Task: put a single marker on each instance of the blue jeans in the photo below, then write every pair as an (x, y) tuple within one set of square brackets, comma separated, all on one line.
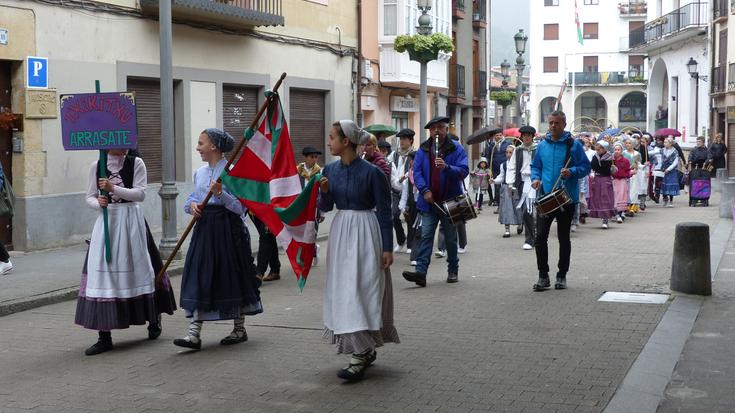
[(429, 221)]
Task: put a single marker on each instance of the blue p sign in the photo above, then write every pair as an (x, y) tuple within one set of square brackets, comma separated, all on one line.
[(37, 72)]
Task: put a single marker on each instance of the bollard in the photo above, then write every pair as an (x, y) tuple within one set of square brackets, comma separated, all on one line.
[(690, 269), (721, 176), (728, 194)]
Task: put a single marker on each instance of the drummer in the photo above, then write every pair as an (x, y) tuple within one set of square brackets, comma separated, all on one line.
[(438, 172), (558, 158)]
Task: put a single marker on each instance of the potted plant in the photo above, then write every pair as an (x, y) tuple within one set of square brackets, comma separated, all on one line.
[(503, 97), (422, 48)]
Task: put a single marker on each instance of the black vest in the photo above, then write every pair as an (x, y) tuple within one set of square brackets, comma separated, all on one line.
[(126, 174)]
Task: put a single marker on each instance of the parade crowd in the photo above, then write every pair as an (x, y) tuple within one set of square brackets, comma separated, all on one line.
[(376, 192)]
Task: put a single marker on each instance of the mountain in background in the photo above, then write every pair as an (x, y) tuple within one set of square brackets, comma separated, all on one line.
[(506, 17)]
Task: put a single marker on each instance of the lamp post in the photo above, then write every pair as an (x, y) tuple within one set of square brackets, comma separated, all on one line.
[(424, 28), (520, 40), (692, 69), (504, 71)]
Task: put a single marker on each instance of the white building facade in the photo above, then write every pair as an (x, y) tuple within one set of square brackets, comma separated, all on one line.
[(601, 83)]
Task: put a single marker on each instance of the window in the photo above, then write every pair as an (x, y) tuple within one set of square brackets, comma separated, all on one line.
[(635, 67), (590, 31), (632, 107), (551, 2), (591, 2), (589, 63), (390, 17), (551, 31), (551, 64)]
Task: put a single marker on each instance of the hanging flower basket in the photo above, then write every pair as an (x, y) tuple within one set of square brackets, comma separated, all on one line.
[(422, 48)]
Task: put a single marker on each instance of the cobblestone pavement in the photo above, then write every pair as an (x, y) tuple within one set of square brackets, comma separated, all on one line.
[(487, 343)]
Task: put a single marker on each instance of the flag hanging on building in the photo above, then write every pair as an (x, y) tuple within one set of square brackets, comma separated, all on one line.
[(266, 182), (580, 36)]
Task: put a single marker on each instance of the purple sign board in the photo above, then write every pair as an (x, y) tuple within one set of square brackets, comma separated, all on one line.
[(91, 121)]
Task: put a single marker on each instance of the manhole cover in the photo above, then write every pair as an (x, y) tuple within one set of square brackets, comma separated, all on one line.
[(639, 298)]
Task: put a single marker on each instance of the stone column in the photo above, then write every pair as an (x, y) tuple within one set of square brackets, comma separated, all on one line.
[(690, 269)]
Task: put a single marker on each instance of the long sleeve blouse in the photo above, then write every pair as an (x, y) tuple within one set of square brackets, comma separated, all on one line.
[(670, 159), (359, 186), (114, 165), (622, 165), (203, 178), (602, 167)]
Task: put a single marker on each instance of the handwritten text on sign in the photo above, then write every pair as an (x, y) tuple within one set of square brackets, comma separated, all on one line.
[(98, 121)]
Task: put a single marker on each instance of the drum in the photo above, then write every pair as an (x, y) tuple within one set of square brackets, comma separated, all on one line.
[(460, 209), (553, 201)]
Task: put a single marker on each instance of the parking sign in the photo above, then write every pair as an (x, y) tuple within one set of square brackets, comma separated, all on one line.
[(37, 74)]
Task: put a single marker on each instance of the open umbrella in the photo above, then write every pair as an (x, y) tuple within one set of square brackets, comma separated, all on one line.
[(481, 135), (380, 129), (610, 132), (667, 132), (512, 132)]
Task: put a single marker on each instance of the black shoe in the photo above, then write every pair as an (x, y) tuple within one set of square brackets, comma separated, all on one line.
[(99, 347), (561, 282), (356, 370), (371, 358), (519, 230), (542, 284), (154, 331), (234, 338), (415, 277), (188, 343), (452, 277)]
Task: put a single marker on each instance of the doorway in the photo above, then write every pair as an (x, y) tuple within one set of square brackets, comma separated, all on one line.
[(6, 148)]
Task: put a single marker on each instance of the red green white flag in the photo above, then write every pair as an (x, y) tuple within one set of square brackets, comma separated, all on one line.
[(580, 36), (266, 182)]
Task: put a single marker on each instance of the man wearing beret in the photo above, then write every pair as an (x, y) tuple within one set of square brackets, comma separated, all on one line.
[(399, 173), (438, 172)]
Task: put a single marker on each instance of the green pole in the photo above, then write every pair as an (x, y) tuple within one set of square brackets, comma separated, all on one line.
[(103, 174)]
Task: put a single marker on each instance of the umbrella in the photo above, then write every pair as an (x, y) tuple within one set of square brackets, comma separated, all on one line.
[(379, 129), (512, 132), (667, 132), (481, 135), (610, 132)]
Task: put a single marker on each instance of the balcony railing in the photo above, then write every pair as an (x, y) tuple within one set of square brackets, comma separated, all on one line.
[(458, 9), (691, 15), (603, 78), (732, 6), (720, 8), (731, 77), (231, 14), (718, 79), (480, 84), (456, 81), (632, 8), (479, 14)]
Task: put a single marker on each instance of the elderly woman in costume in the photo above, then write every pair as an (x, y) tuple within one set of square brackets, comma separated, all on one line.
[(358, 298), (122, 292), (219, 281), (669, 166)]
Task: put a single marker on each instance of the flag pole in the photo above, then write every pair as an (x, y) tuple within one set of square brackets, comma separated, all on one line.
[(230, 161)]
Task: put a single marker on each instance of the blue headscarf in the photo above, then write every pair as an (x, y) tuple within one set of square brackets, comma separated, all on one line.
[(221, 139)]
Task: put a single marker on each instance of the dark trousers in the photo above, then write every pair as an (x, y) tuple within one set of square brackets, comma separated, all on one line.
[(267, 249), (413, 237), (397, 225), (563, 229), (496, 195), (4, 256), (530, 227)]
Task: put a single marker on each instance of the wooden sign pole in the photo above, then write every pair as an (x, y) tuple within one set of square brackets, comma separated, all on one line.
[(103, 174)]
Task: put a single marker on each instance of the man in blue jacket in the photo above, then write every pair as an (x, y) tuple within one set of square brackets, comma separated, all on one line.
[(438, 175), (557, 148)]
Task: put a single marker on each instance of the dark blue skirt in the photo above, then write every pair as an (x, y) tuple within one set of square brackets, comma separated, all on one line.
[(219, 281)]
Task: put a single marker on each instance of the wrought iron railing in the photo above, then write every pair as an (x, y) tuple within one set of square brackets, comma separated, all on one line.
[(458, 5), (720, 8), (718, 79), (731, 77), (480, 84), (456, 81), (479, 12), (603, 78), (263, 6), (690, 15), (632, 8)]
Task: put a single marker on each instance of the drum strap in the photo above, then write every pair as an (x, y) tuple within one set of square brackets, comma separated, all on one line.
[(568, 158)]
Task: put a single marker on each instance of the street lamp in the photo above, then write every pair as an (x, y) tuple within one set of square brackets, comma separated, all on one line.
[(692, 69), (424, 28), (504, 71), (520, 39)]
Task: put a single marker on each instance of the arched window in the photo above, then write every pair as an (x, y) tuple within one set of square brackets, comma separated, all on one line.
[(547, 105), (632, 107)]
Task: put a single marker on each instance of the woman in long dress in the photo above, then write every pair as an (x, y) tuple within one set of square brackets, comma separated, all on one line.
[(669, 166), (220, 280), (358, 298), (634, 157), (123, 292), (602, 196)]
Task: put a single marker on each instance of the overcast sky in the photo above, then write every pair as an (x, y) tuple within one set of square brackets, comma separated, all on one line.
[(506, 17)]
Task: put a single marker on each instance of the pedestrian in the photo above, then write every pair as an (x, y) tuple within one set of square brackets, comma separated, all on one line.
[(124, 291), (219, 280), (621, 175), (519, 179), (399, 175), (657, 174), (558, 158), (374, 156), (718, 150), (644, 170), (481, 182), (358, 298), (634, 157), (494, 153), (267, 252), (306, 170), (5, 265), (669, 166), (602, 194), (385, 148), (509, 215), (407, 206), (439, 169)]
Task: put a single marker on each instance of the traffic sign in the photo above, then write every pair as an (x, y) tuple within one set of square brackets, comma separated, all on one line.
[(37, 74)]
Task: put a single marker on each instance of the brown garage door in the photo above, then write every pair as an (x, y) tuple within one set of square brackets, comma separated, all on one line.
[(240, 105), (731, 149), (148, 104), (306, 120)]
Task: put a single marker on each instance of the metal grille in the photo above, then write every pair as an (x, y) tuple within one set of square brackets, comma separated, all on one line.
[(306, 120), (148, 107), (239, 107)]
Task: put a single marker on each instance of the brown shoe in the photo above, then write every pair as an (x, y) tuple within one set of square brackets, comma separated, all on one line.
[(272, 276)]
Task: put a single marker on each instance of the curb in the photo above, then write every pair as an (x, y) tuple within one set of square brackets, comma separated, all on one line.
[(64, 294)]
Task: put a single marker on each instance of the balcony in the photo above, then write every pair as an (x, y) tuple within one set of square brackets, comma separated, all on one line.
[(731, 77), (604, 79), (397, 70), (720, 8), (479, 85), (633, 9), (228, 14), (456, 84), (718, 79), (479, 15), (678, 26), (458, 9)]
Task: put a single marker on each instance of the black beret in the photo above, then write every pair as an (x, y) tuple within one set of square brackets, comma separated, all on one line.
[(310, 150), (409, 133), (438, 119), (527, 129)]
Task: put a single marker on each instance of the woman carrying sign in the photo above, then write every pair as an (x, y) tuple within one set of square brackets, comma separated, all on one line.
[(122, 292)]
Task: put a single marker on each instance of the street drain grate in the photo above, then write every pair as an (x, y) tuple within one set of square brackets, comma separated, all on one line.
[(637, 298)]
